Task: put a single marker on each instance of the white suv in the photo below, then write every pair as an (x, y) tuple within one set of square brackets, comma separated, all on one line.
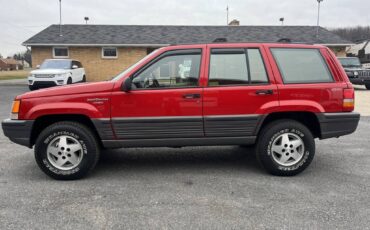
[(53, 72)]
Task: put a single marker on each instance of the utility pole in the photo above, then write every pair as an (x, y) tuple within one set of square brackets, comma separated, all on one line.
[(227, 15), (318, 18), (60, 18)]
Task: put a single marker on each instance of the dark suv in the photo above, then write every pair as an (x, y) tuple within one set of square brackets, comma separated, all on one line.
[(355, 72), (278, 97)]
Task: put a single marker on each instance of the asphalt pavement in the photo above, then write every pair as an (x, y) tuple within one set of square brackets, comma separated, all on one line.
[(188, 188)]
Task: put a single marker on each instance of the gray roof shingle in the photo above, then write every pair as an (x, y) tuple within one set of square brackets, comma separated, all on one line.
[(162, 35)]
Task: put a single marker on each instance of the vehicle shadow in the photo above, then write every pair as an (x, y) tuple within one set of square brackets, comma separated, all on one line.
[(142, 160)]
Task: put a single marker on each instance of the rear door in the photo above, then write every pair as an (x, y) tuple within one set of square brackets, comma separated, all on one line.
[(77, 74), (240, 90)]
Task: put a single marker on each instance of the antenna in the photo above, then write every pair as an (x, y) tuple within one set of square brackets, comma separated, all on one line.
[(60, 18), (227, 15)]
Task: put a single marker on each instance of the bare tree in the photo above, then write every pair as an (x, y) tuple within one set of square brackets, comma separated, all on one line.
[(354, 34)]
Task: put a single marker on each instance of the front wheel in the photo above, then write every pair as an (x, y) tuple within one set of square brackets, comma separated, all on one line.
[(285, 147), (367, 86), (66, 150)]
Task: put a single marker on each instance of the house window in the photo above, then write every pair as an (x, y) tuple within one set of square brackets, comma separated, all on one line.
[(109, 52), (60, 52)]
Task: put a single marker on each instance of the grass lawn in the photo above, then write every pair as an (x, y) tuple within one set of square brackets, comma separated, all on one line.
[(8, 75)]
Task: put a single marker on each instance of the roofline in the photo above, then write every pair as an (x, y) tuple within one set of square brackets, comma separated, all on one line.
[(94, 45), (339, 44), (159, 45)]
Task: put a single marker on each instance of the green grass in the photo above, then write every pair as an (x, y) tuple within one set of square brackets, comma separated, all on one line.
[(9, 75)]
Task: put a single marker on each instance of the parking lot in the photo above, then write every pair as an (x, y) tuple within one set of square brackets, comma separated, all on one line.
[(190, 188)]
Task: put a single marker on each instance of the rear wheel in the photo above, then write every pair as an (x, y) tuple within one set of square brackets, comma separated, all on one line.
[(66, 151), (69, 81), (367, 86), (285, 147), (83, 79)]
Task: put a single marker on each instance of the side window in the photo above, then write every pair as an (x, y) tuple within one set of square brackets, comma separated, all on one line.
[(79, 64), (174, 71), (257, 67), (236, 67), (74, 63), (301, 65)]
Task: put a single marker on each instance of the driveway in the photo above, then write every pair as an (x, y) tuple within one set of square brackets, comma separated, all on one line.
[(188, 188)]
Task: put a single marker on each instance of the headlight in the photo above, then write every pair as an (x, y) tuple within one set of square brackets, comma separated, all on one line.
[(350, 74), (60, 75), (355, 73), (15, 109)]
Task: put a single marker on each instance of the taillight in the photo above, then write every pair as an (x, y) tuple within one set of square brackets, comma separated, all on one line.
[(348, 100)]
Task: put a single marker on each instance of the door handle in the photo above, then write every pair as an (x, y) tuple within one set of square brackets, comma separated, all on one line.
[(191, 96), (265, 92)]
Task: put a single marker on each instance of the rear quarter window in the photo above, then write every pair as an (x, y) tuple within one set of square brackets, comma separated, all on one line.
[(301, 65)]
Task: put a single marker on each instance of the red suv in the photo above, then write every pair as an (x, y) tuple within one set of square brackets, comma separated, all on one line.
[(279, 97)]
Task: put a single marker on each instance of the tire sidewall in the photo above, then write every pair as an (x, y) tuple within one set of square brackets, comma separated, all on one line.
[(265, 153), (88, 148)]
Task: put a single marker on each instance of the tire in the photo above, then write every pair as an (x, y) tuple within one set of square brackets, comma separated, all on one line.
[(270, 148), (69, 81), (83, 79), (367, 86), (54, 152), (31, 87)]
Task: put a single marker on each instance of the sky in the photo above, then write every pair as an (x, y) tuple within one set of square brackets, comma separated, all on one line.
[(21, 19)]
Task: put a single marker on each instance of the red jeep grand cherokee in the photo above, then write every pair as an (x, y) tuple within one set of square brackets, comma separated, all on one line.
[(277, 96)]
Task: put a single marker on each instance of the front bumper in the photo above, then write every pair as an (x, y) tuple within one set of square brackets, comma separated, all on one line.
[(18, 131), (46, 82), (338, 124), (359, 80)]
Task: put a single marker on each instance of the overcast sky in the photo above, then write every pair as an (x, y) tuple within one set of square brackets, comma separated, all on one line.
[(21, 19)]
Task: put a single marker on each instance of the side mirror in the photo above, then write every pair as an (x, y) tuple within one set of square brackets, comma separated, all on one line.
[(38, 67), (74, 67), (126, 85)]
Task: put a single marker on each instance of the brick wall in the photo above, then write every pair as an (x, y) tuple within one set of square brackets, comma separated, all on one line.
[(96, 67)]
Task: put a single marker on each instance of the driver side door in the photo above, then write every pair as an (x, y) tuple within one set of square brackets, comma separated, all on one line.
[(165, 101)]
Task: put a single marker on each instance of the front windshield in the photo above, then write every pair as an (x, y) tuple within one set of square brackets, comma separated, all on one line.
[(56, 64), (154, 53), (350, 62)]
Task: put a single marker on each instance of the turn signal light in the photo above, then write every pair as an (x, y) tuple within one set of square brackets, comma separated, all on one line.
[(16, 105), (15, 110)]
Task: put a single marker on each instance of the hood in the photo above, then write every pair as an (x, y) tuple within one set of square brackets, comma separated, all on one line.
[(50, 71), (353, 68), (81, 88)]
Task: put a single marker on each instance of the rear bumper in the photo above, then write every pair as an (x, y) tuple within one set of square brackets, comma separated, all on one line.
[(337, 124), (18, 131), (359, 80)]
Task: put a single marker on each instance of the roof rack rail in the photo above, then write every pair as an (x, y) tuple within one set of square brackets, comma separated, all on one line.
[(220, 40), (285, 40)]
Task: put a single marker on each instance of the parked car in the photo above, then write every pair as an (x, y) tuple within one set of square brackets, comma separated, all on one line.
[(53, 72), (355, 72), (278, 97)]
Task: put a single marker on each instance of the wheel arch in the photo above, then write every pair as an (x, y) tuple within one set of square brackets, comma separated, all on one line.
[(309, 119), (44, 121)]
